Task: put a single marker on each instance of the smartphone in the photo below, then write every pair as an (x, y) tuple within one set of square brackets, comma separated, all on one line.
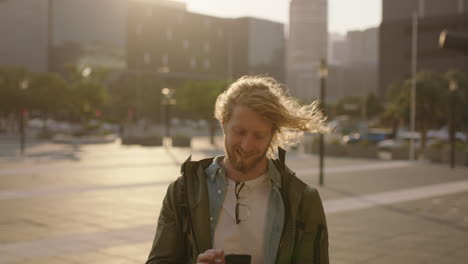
[(237, 259)]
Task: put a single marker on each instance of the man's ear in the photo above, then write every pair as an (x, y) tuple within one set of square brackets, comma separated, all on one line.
[(223, 126)]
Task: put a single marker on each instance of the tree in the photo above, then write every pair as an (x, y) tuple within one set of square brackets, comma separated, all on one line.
[(122, 103), (149, 98), (373, 106), (350, 106), (366, 107), (431, 100), (51, 93), (88, 91), (196, 99), (14, 89), (15, 96)]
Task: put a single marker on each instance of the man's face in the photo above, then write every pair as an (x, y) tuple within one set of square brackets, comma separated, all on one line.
[(247, 136)]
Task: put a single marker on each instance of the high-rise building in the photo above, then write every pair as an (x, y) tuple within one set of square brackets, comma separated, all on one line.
[(257, 48), (394, 10), (395, 38), (306, 46), (353, 67), (47, 35), (24, 27), (176, 44), (363, 46), (169, 46), (88, 33), (337, 49), (154, 37)]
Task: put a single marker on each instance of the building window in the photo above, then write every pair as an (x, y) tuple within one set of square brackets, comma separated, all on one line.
[(180, 18), (206, 64), (207, 22), (165, 59), (193, 63), (149, 12), (139, 29), (168, 34), (147, 58), (206, 47), (185, 44)]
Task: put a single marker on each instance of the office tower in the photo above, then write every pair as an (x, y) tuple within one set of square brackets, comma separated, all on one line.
[(395, 38), (258, 48), (48, 35), (307, 44)]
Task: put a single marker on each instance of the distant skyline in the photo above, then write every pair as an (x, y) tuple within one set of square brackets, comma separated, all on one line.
[(343, 15)]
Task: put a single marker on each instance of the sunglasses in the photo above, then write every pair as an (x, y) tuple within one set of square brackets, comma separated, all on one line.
[(242, 210)]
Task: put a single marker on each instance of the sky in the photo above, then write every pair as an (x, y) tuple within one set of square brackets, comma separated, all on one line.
[(343, 15)]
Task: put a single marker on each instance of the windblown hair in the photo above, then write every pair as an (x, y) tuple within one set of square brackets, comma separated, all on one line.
[(267, 97)]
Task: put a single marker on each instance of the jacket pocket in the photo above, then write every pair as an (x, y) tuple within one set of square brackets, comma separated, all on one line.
[(304, 243), (317, 243), (307, 243)]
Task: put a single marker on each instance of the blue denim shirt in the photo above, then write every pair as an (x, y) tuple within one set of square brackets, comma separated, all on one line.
[(217, 184)]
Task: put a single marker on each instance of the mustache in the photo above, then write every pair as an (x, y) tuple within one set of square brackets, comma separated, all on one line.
[(242, 152)]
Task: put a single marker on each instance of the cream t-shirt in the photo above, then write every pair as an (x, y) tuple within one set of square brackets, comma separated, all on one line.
[(247, 237)]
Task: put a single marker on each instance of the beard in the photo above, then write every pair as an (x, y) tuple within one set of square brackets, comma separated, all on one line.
[(242, 164)]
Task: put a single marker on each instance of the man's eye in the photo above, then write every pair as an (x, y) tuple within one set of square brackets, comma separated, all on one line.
[(259, 137), (239, 132)]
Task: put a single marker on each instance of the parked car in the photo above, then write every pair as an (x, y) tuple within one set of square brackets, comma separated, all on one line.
[(402, 140), (373, 136), (443, 134)]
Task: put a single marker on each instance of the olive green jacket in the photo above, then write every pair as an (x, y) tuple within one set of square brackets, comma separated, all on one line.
[(184, 229)]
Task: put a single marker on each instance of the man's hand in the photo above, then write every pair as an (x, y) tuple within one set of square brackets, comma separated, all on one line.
[(211, 256)]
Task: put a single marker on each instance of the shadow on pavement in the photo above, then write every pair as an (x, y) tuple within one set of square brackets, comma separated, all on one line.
[(40, 150), (57, 155), (400, 210)]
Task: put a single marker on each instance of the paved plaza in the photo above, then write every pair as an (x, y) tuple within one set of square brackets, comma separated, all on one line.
[(99, 204)]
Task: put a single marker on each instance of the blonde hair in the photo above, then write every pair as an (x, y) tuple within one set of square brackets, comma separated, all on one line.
[(267, 97)]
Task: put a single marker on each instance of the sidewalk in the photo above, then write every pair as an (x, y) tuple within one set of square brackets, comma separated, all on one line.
[(411, 213), (100, 203)]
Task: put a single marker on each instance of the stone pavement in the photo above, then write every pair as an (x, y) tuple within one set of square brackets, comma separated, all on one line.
[(99, 204)]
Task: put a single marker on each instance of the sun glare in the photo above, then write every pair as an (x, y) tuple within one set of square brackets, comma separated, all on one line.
[(343, 15)]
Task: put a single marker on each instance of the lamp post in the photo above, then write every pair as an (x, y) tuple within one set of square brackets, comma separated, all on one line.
[(457, 42), (167, 100), (323, 73), (453, 86), (23, 86), (414, 67)]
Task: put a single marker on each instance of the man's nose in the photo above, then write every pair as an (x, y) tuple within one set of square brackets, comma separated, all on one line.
[(247, 144)]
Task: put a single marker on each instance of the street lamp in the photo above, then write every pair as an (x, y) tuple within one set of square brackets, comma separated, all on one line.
[(167, 100), (323, 73), (456, 41), (453, 86), (86, 72)]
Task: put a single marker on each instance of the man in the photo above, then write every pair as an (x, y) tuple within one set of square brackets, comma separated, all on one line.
[(246, 202)]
